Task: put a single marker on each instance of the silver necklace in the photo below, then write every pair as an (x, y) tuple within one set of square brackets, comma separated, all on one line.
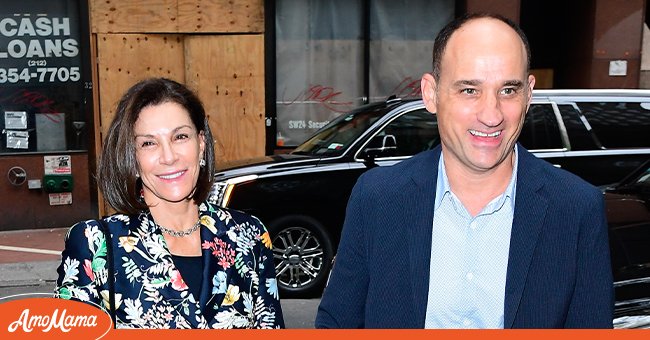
[(180, 233)]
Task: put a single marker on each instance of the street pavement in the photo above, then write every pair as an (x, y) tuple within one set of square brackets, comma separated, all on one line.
[(29, 258)]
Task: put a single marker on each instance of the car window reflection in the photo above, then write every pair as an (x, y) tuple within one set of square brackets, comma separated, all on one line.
[(337, 136)]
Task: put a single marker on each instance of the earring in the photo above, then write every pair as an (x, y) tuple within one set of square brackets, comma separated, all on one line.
[(137, 175), (202, 162)]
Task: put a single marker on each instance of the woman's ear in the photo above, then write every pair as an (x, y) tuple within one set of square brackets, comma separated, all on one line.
[(428, 88), (201, 144)]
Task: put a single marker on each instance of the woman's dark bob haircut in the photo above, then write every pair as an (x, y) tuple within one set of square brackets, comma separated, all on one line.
[(118, 166)]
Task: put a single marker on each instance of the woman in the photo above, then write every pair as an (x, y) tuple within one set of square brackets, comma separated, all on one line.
[(177, 261)]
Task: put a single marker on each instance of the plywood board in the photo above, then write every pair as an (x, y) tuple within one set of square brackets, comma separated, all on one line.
[(221, 16), (177, 16), (227, 71), (134, 16), (124, 59)]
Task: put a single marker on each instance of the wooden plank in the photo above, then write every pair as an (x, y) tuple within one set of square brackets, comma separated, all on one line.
[(98, 137), (227, 72), (177, 16), (134, 16), (221, 16), (124, 59)]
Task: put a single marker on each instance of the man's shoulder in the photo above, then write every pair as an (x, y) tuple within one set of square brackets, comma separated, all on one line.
[(420, 164), (560, 180)]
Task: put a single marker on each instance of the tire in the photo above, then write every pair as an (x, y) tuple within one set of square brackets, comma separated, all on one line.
[(302, 252)]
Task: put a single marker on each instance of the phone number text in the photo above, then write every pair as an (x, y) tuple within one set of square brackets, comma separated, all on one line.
[(39, 74)]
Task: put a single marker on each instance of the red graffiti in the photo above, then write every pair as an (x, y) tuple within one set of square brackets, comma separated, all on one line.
[(407, 88), (38, 101), (324, 95)]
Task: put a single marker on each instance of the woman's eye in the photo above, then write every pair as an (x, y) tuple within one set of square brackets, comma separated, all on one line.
[(182, 136), (147, 143)]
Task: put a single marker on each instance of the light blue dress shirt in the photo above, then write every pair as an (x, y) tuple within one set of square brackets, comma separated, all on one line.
[(469, 258)]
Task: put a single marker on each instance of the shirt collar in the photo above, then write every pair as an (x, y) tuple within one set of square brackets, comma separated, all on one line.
[(443, 189)]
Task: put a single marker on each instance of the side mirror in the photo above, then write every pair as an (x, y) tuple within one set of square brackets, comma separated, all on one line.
[(379, 146)]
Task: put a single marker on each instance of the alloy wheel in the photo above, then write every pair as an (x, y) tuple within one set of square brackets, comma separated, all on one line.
[(298, 255)]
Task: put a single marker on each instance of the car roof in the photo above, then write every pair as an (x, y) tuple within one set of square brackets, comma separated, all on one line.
[(636, 95), (591, 93)]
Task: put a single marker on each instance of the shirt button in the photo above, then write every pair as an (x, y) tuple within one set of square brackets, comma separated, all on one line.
[(466, 322), (469, 276), (472, 225)]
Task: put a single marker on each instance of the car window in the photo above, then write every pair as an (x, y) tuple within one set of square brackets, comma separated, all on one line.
[(619, 124), (644, 179), (580, 134), (414, 131), (540, 130), (338, 135)]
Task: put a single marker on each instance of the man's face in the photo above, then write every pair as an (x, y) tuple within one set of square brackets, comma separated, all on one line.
[(482, 95)]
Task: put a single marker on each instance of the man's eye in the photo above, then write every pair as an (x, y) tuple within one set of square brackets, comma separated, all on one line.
[(469, 91), (508, 91)]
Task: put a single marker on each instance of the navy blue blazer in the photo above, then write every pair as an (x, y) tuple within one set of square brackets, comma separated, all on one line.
[(558, 274)]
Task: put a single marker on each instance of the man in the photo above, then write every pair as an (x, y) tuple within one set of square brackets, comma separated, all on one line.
[(477, 233)]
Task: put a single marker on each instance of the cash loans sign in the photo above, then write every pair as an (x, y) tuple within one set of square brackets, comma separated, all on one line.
[(38, 48)]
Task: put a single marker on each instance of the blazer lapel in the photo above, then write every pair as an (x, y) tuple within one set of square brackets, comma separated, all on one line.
[(211, 292), (419, 218), (530, 210), (216, 237)]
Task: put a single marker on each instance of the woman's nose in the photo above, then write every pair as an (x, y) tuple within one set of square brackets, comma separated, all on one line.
[(168, 155)]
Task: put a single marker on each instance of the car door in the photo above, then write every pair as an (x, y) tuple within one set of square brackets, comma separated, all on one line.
[(609, 136), (628, 216), (544, 133), (413, 131)]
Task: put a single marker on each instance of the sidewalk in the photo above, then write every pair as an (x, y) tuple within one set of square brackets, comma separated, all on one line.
[(30, 256)]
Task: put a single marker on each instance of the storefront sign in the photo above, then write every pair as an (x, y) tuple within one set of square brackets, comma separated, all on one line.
[(43, 75), (38, 47)]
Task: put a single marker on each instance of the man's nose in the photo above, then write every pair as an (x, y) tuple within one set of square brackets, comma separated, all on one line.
[(490, 114)]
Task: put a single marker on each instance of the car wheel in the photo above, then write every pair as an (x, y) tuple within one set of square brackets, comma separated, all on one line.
[(302, 251)]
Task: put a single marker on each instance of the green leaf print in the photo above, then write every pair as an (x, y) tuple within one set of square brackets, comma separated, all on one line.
[(64, 293), (98, 264), (101, 250)]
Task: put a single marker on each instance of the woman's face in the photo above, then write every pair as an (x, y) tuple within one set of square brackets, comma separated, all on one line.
[(168, 149)]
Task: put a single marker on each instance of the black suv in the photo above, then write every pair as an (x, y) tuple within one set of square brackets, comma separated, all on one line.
[(599, 135), (628, 215)]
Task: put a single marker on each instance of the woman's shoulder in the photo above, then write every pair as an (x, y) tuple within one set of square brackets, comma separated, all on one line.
[(231, 218), (225, 214), (115, 224)]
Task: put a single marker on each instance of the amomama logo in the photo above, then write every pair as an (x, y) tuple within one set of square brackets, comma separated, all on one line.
[(52, 318)]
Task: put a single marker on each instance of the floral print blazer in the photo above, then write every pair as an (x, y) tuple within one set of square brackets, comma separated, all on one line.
[(238, 288)]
